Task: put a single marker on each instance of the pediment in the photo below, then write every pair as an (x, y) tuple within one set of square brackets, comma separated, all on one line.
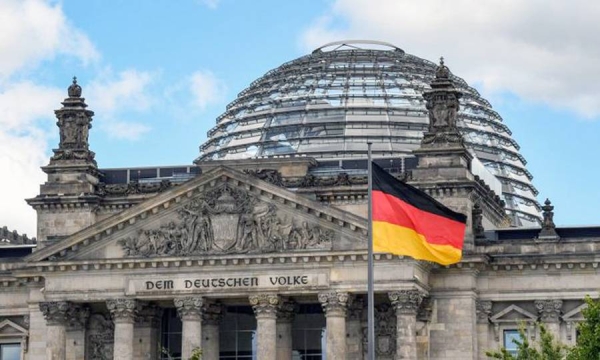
[(11, 329), (513, 313), (222, 211), (575, 314)]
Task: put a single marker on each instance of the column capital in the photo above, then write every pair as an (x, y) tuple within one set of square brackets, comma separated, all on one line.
[(483, 309), (122, 310), (286, 311), (355, 309), (189, 308), (334, 303), (265, 305), (406, 301), (55, 312), (212, 313), (549, 310), (148, 314), (77, 316)]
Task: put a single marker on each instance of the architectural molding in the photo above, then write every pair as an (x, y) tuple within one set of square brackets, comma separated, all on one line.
[(406, 301), (265, 305), (334, 303), (212, 313), (549, 310), (484, 310), (122, 310), (189, 308), (55, 312)]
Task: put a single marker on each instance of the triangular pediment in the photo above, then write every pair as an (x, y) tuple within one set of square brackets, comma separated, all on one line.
[(513, 313), (11, 329), (575, 314), (222, 211)]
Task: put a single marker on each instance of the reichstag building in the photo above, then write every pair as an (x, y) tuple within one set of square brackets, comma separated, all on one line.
[(257, 249)]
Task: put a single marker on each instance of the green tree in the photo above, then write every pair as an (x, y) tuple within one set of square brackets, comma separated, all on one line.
[(588, 339), (547, 349)]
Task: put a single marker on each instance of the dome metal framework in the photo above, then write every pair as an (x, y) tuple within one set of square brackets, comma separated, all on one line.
[(328, 104)]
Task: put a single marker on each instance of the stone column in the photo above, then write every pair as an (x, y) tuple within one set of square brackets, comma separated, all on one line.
[(123, 312), (212, 315), (285, 316), (550, 312), (406, 303), (77, 318), (265, 308), (147, 332), (483, 309), (334, 306), (189, 310), (354, 342), (55, 313)]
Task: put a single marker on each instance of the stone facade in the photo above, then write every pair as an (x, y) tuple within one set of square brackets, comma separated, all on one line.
[(267, 236)]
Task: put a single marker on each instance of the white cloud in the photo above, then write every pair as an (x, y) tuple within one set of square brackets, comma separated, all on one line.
[(112, 96), (34, 30), (128, 90), (31, 31), (23, 103), (20, 159), (542, 50), (26, 109), (212, 4), (206, 89), (127, 130)]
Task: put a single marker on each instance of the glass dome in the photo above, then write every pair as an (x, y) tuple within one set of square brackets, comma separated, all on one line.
[(327, 105)]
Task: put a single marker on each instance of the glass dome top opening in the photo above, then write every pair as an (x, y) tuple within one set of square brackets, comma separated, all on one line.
[(328, 104)]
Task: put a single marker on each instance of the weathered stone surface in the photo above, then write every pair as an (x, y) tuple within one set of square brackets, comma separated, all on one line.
[(265, 307)]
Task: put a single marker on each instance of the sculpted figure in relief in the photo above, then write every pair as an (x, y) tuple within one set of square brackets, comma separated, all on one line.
[(227, 220)]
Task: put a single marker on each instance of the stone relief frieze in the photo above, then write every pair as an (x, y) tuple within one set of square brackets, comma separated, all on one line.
[(132, 187), (227, 220), (100, 337), (385, 332)]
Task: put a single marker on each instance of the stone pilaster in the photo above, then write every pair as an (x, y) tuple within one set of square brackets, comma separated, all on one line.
[(56, 315), (212, 315), (123, 312), (354, 342), (147, 331), (406, 304), (483, 310), (189, 310), (335, 305), (77, 319), (285, 316), (265, 307), (550, 312)]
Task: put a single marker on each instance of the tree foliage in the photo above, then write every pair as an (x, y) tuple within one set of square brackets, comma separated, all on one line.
[(587, 346), (547, 349), (588, 339)]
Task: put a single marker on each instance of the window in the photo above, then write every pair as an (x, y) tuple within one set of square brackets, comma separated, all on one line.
[(170, 335), (238, 334), (308, 333), (10, 351), (509, 340)]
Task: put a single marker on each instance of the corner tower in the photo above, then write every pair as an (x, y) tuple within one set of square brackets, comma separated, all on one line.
[(445, 166), (67, 199)]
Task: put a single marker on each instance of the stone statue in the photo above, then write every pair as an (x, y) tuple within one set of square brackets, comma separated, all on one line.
[(226, 220)]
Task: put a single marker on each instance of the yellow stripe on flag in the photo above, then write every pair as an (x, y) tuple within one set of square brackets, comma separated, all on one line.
[(399, 240)]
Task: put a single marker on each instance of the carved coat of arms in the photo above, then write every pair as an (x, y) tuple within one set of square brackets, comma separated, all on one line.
[(227, 220)]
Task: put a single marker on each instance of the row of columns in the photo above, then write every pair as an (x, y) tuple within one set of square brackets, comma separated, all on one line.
[(200, 324)]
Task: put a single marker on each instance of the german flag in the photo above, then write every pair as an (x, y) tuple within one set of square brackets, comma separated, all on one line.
[(406, 221)]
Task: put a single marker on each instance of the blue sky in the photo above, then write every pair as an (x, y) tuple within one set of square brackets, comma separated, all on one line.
[(158, 73)]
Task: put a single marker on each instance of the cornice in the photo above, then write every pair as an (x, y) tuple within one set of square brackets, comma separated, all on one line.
[(165, 200)]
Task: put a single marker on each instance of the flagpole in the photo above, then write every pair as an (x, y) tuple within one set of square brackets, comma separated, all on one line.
[(370, 292)]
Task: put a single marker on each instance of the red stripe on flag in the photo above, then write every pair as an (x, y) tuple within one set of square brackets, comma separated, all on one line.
[(435, 228)]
